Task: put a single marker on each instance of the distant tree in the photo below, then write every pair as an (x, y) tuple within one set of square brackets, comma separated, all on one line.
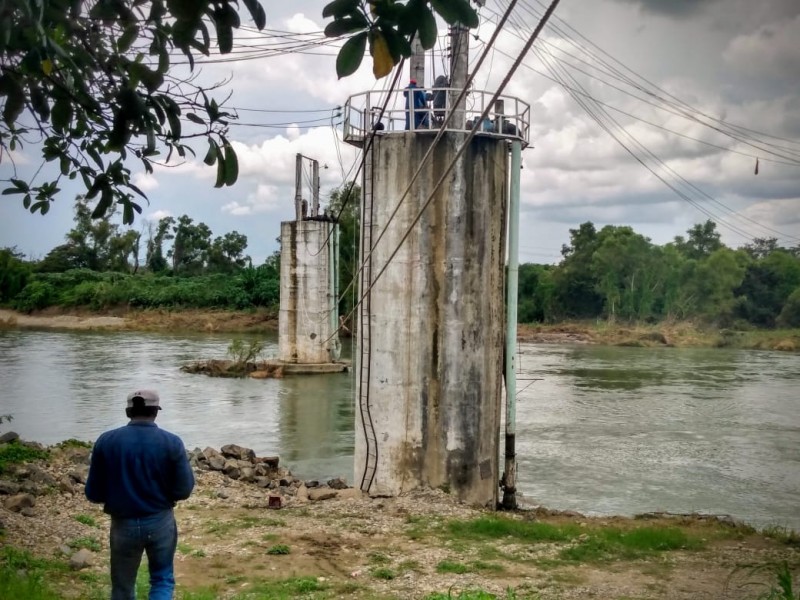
[(576, 294), (702, 240), (761, 247), (14, 274), (790, 314), (345, 202), (190, 246), (536, 291), (226, 253), (711, 284), (766, 286), (155, 260)]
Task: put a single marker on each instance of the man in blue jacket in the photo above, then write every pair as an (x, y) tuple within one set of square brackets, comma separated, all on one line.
[(139, 472)]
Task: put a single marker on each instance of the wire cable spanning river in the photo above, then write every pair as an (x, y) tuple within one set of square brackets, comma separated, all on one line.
[(600, 430)]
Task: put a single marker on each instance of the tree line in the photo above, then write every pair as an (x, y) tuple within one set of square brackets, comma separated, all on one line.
[(618, 274), (613, 273), (173, 262)]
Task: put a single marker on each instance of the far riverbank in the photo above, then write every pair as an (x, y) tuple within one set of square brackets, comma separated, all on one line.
[(670, 334)]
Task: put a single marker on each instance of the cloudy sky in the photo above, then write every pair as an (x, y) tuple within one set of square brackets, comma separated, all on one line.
[(730, 64)]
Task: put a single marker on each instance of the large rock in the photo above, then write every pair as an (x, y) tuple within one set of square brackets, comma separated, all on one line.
[(217, 463), (39, 475), (19, 501), (79, 474), (247, 474), (8, 488), (66, 485), (338, 484), (238, 452), (9, 436), (321, 493), (82, 559), (232, 469)]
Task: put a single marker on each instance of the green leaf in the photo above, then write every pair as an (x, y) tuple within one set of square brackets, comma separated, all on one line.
[(456, 11), (62, 114), (127, 213), (11, 191), (257, 12), (195, 119), (20, 185), (106, 199), (346, 25), (26, 201), (231, 165), (127, 38), (224, 38), (351, 55), (397, 45), (220, 169), (211, 155), (427, 28), (340, 8)]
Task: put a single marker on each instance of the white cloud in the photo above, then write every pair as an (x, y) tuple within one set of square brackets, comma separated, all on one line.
[(145, 181), (159, 214)]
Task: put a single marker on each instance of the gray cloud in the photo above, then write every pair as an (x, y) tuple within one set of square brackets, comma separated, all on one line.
[(680, 9)]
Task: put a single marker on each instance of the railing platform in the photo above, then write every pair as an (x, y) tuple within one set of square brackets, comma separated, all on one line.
[(509, 118)]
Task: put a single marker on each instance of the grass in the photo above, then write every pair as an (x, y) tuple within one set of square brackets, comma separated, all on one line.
[(87, 542), (14, 453), (278, 549), (478, 594), (225, 527), (24, 576), (585, 544), (384, 573), (286, 589), (616, 544), (784, 535), (449, 566), (86, 520)]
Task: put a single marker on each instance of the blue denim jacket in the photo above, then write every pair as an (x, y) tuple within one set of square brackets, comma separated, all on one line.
[(138, 470)]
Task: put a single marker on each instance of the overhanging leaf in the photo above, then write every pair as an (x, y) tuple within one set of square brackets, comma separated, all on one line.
[(382, 61), (346, 25), (231, 165), (351, 55), (339, 8), (427, 28)]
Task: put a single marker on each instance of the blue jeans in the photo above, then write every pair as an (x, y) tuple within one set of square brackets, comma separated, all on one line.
[(157, 535)]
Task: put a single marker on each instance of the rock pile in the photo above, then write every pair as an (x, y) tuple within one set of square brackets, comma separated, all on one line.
[(242, 464)]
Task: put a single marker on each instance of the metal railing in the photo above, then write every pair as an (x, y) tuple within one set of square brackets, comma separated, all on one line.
[(509, 117)]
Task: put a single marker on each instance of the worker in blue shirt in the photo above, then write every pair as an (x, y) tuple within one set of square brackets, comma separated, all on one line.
[(416, 103), (139, 472)]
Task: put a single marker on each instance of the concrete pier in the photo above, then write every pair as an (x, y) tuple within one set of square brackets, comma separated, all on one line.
[(429, 366), (304, 320)]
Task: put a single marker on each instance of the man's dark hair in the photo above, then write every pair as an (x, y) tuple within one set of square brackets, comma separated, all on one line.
[(140, 410)]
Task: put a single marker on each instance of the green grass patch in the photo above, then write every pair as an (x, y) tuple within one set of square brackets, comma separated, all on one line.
[(784, 535), (379, 558), (384, 573), (617, 544), (495, 527), (449, 566), (278, 549), (14, 453), (86, 520), (73, 443), (476, 594), (87, 542), (287, 589), (225, 527)]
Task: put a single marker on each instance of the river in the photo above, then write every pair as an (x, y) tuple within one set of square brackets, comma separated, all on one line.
[(600, 430)]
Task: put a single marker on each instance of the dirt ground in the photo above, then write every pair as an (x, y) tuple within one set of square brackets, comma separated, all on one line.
[(354, 546)]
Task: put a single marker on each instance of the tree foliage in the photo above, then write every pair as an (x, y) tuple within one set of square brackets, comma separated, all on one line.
[(94, 83), (387, 27)]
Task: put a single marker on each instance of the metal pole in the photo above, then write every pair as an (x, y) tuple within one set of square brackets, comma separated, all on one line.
[(298, 191), (332, 252), (510, 475), (315, 183)]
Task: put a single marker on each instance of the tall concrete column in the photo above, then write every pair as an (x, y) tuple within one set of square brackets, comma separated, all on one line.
[(304, 323), (429, 377)]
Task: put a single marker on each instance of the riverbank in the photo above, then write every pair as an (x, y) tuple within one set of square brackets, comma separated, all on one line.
[(343, 544), (672, 334)]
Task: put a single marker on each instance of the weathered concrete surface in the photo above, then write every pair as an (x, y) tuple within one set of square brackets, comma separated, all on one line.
[(340, 366), (304, 318), (436, 330)]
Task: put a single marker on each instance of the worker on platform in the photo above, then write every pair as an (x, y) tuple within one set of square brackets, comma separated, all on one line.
[(416, 103)]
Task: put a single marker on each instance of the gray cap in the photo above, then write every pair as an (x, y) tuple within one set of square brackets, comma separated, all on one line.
[(150, 398)]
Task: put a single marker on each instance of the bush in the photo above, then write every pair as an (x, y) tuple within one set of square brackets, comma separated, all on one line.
[(790, 314), (15, 452), (35, 296)]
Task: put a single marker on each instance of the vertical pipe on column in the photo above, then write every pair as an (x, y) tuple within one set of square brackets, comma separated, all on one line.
[(298, 192), (315, 183), (510, 476)]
